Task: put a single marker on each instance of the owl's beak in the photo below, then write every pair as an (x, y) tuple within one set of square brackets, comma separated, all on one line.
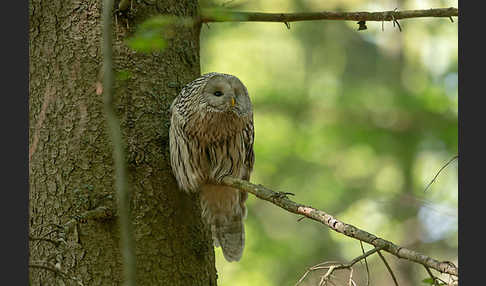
[(238, 106)]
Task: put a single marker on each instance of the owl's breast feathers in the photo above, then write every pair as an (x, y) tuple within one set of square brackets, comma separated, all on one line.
[(211, 146), (213, 127)]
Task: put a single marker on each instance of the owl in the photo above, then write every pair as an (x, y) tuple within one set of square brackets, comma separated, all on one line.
[(211, 136)]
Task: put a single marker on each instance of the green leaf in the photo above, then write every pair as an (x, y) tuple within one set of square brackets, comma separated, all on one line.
[(151, 35), (148, 41), (123, 75)]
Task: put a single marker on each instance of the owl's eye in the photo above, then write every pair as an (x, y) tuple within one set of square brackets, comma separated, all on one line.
[(218, 93)]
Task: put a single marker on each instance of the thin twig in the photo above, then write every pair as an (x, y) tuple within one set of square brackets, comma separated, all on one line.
[(317, 267), (121, 182), (301, 218), (339, 226), (364, 255), (366, 263), (431, 275), (351, 281), (326, 277), (336, 266), (221, 15), (440, 170), (398, 24), (434, 278), (389, 268)]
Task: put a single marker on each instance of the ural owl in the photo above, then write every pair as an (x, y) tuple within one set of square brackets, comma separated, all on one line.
[(211, 136)]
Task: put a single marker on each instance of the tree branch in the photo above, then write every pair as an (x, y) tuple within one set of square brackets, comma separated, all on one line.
[(349, 230), (220, 15)]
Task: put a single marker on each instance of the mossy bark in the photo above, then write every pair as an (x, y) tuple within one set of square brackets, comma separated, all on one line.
[(70, 154)]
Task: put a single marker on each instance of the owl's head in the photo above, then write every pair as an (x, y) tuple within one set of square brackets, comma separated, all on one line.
[(226, 93)]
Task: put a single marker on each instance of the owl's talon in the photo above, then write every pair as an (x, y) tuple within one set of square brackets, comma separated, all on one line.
[(281, 195)]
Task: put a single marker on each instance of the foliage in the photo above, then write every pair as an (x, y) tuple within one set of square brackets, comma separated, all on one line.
[(152, 34), (354, 123)]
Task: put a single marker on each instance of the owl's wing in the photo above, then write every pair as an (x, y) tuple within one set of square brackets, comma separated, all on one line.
[(248, 137), (183, 159)]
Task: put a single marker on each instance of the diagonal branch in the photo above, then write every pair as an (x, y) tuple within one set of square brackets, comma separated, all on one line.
[(340, 227), (220, 15), (435, 280), (440, 170), (388, 268), (366, 263)]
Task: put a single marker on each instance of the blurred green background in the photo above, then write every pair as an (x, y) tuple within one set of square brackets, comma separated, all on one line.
[(354, 123)]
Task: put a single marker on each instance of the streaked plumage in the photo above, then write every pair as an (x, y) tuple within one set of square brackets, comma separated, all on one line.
[(211, 136)]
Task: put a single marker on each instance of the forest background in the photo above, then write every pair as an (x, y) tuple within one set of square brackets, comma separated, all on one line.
[(356, 123)]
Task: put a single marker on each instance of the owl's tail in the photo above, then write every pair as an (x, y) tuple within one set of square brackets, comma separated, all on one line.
[(223, 209)]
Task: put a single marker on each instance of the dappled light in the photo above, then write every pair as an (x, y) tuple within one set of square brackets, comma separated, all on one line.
[(354, 123)]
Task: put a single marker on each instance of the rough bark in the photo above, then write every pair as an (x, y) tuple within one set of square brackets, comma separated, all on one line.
[(70, 156)]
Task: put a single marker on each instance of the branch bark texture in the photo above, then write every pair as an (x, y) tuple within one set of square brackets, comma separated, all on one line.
[(213, 15), (339, 226)]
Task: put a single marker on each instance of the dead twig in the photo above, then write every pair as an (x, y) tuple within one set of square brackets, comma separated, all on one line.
[(332, 266), (433, 277), (440, 170), (366, 263), (389, 268)]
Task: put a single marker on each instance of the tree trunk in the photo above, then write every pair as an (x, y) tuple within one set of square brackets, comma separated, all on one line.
[(70, 154)]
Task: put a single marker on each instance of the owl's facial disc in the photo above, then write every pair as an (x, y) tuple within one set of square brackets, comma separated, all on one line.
[(226, 95)]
